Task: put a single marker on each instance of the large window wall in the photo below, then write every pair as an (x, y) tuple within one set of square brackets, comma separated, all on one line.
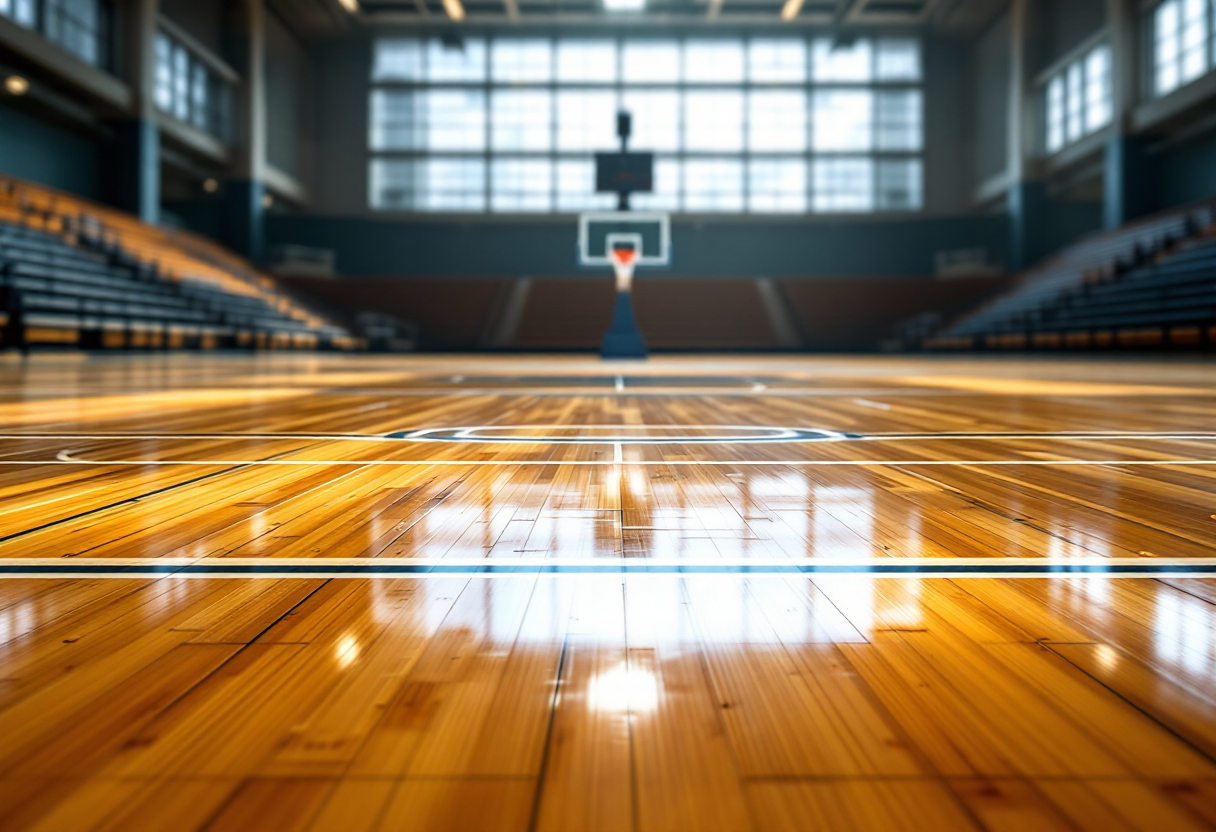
[(1184, 43), (187, 89), (79, 26), (1078, 98), (760, 125)]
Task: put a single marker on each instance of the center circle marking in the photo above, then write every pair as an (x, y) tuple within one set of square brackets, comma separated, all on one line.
[(621, 435)]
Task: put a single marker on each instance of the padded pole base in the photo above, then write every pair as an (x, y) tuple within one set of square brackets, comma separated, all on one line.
[(623, 339)]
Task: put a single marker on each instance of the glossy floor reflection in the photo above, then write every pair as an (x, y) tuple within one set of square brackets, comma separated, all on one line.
[(519, 699)]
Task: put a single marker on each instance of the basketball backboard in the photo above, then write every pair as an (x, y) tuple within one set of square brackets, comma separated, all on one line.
[(648, 235)]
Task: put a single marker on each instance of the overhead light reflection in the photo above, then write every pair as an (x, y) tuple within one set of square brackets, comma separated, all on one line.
[(16, 85), (351, 6), (455, 9), (624, 5), (791, 9), (623, 690)]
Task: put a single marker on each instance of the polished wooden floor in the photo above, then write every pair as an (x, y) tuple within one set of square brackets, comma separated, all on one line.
[(356, 594)]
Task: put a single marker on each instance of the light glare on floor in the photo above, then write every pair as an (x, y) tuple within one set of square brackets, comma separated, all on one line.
[(621, 690)]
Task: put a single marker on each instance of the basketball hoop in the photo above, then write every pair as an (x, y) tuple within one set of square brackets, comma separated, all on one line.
[(624, 261)]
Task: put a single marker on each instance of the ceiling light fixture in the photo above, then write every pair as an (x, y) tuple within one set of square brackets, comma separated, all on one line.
[(16, 85), (791, 9), (351, 6), (210, 185), (624, 5), (455, 9)]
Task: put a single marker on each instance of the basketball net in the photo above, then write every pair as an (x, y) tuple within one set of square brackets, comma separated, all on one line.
[(624, 261)]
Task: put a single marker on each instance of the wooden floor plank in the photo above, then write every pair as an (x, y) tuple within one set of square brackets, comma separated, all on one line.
[(720, 698)]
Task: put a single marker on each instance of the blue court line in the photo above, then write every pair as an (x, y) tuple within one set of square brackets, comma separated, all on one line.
[(375, 570)]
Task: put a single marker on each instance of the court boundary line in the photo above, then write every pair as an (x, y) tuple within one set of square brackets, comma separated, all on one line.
[(65, 458)]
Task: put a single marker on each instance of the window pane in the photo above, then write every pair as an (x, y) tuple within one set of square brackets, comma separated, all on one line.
[(897, 60), (713, 60), (455, 120), (777, 121), (465, 63), (522, 120), (436, 184), (22, 12), (181, 82), (843, 120), (1167, 45), (897, 116), (713, 185), (899, 185), (1097, 89), (522, 60), (198, 97), (1075, 126), (1194, 39), (777, 61), (841, 62), (521, 184), (1055, 114), (162, 92), (656, 119), (397, 60), (713, 121), (586, 60), (576, 188), (586, 120), (841, 185), (451, 185), (776, 185), (650, 61)]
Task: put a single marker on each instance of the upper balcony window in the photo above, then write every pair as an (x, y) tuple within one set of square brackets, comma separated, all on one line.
[(1078, 99), (1183, 44), (82, 27)]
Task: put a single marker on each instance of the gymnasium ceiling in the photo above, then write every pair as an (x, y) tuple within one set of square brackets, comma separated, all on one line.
[(325, 18)]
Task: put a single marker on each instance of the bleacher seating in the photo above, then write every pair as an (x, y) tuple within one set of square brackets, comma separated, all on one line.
[(1147, 284), (79, 274)]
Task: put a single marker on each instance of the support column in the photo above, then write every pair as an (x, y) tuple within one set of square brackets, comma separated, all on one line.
[(1128, 174), (136, 163), (1026, 200), (245, 212)]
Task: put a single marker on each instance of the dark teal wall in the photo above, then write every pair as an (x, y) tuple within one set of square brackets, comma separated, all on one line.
[(33, 149), (710, 248), (1187, 173)]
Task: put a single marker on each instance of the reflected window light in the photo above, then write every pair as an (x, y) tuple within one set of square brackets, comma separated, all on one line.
[(622, 690), (1107, 656), (346, 651)]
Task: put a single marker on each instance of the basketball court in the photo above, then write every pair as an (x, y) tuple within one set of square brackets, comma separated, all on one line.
[(367, 594), (607, 416)]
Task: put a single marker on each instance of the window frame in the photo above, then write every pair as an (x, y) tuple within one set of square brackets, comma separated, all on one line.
[(901, 57)]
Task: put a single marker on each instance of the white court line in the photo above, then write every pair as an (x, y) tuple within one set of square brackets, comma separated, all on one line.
[(204, 560), (771, 435), (65, 458)]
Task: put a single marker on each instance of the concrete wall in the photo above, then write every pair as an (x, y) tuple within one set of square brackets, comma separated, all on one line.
[(1187, 172), (717, 247), (288, 125), (1063, 26), (41, 151), (340, 120), (204, 20), (990, 101)]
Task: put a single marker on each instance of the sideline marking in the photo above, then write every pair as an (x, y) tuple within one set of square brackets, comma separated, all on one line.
[(65, 457), (212, 567)]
